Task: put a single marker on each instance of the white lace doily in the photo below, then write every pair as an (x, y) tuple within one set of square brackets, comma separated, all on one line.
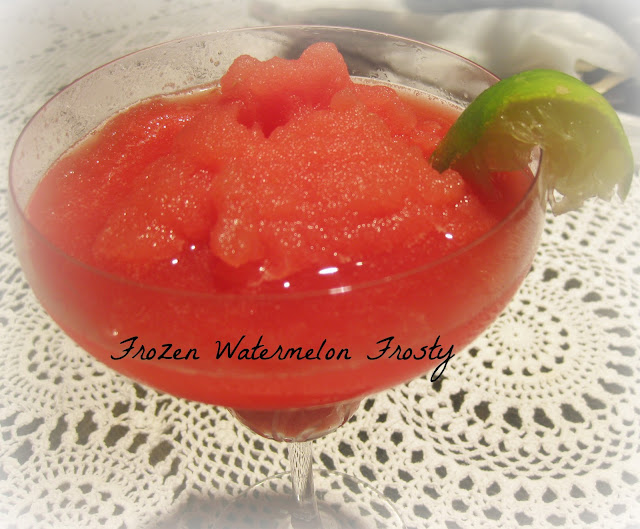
[(536, 425)]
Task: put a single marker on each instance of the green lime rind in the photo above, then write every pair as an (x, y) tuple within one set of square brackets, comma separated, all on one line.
[(586, 152)]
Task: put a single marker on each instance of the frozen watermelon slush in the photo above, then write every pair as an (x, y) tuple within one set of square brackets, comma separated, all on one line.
[(279, 240)]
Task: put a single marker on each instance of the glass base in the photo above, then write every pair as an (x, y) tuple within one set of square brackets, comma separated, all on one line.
[(344, 502)]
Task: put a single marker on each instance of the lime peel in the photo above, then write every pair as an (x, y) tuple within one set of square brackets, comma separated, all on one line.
[(586, 152)]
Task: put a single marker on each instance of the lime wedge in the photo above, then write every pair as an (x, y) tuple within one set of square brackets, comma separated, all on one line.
[(585, 151)]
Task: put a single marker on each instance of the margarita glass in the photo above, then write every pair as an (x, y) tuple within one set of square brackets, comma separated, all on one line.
[(443, 302)]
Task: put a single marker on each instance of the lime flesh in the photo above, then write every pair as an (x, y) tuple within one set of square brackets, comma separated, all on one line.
[(585, 151)]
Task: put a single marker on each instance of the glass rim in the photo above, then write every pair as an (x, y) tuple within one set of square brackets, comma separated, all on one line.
[(310, 293)]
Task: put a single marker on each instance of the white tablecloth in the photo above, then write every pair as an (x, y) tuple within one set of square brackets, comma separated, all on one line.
[(537, 425)]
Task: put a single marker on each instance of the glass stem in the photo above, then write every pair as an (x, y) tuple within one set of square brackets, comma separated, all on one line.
[(301, 461)]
